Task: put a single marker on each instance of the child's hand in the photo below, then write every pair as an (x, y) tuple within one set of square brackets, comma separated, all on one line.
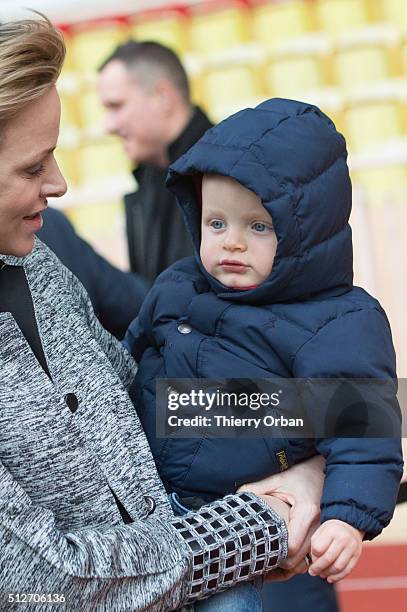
[(335, 550)]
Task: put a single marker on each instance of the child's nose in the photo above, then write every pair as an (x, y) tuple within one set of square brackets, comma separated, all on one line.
[(234, 241)]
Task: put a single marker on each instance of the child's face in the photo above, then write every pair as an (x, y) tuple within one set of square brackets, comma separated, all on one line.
[(238, 242)]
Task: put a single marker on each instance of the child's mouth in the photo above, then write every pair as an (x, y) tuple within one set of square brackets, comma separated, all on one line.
[(230, 265)]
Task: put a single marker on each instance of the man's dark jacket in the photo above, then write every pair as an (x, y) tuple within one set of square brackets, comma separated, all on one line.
[(116, 296), (156, 231)]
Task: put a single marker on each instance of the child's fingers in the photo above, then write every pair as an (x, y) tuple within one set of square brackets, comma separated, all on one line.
[(339, 564), (324, 556), (320, 542), (349, 567)]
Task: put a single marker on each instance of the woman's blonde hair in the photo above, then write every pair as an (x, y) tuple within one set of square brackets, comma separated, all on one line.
[(32, 52)]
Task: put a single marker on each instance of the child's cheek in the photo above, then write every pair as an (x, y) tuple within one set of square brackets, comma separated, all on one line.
[(207, 263), (205, 256)]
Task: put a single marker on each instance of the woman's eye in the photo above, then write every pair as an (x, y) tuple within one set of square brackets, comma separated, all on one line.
[(36, 170), (261, 227), (217, 224)]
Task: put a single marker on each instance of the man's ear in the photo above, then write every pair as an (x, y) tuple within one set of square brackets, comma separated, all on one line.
[(165, 94)]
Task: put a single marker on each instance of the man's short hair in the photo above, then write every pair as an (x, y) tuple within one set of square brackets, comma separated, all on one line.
[(150, 61)]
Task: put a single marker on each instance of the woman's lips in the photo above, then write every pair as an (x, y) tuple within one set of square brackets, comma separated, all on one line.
[(233, 266), (34, 222)]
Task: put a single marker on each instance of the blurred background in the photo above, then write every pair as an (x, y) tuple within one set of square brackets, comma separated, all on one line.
[(347, 56)]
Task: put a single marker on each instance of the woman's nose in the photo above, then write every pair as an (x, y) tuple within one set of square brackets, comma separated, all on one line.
[(54, 185)]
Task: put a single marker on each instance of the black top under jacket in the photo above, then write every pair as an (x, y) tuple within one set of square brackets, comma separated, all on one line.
[(156, 231), (15, 297)]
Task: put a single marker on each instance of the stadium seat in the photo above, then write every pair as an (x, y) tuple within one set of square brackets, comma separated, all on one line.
[(290, 75), (356, 65), (100, 159), (395, 11), (93, 42), (67, 161), (404, 58), (217, 25), (336, 16), (230, 88), (91, 113), (69, 110), (69, 64), (370, 123), (274, 22), (101, 224), (167, 27), (383, 186)]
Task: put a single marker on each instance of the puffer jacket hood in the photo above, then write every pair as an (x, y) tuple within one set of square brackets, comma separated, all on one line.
[(290, 154)]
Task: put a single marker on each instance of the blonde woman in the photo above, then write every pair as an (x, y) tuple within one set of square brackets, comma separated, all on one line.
[(84, 519)]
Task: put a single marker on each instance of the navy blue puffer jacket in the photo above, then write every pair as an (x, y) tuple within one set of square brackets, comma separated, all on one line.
[(305, 320)]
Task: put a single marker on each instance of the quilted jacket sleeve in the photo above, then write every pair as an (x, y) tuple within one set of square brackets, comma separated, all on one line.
[(362, 474)]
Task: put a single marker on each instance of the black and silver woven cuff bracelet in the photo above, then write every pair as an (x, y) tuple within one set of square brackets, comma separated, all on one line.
[(232, 540)]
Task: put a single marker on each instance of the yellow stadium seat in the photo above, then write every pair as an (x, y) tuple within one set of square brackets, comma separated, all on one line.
[(273, 22), (293, 75), (368, 124), (91, 112), (395, 11), (219, 25), (69, 60), (93, 42), (196, 90), (102, 224), (383, 185), (232, 86), (69, 80), (336, 16), (100, 159), (358, 65), (167, 27), (69, 112), (67, 162), (404, 59)]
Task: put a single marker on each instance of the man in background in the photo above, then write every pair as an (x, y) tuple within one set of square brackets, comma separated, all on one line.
[(145, 92)]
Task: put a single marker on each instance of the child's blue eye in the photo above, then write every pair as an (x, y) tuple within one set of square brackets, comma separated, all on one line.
[(261, 227), (217, 224)]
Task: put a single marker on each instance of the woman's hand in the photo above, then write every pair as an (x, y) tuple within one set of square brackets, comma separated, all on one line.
[(300, 487), (280, 574)]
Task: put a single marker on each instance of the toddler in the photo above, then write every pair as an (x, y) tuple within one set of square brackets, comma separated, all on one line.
[(266, 196)]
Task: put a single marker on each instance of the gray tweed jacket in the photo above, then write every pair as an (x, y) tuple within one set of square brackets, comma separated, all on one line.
[(58, 468), (60, 528)]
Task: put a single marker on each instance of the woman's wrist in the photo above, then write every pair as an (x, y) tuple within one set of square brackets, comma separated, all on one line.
[(231, 540)]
